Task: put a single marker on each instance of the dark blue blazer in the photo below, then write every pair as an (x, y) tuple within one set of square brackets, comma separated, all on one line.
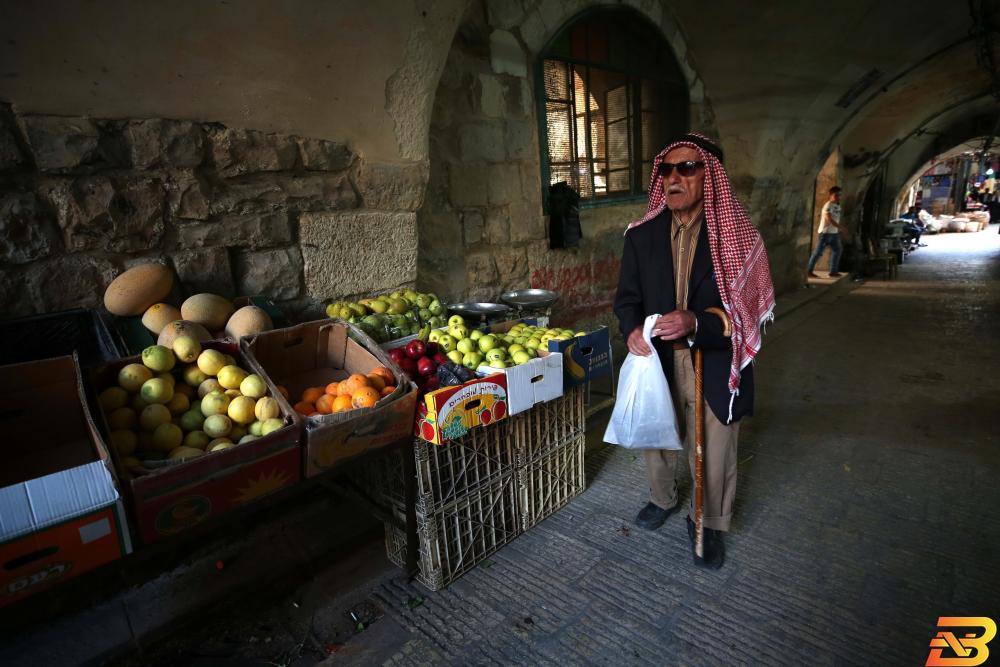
[(646, 286)]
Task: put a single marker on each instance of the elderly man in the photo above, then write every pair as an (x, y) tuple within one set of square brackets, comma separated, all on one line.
[(696, 261)]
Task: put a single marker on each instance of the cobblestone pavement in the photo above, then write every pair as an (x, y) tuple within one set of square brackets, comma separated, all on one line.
[(868, 487)]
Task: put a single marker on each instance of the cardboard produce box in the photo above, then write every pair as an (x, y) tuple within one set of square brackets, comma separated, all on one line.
[(585, 358), (532, 382), (168, 497), (450, 412), (60, 512), (317, 353)]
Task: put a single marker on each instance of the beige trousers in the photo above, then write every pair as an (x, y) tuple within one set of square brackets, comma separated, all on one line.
[(720, 455)]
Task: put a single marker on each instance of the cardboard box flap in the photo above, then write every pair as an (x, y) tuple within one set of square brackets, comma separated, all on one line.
[(41, 502), (299, 349)]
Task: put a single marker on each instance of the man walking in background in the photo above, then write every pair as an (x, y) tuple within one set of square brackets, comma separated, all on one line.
[(829, 234)]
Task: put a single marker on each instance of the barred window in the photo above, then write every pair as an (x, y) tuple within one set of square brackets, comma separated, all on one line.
[(613, 94)]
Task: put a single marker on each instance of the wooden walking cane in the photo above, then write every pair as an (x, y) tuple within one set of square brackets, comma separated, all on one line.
[(699, 456)]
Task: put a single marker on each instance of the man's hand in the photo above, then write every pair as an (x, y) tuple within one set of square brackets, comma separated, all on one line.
[(637, 344), (674, 325)]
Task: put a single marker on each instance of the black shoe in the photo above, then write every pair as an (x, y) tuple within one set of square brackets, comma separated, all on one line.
[(812, 275), (712, 546), (836, 275), (652, 516)]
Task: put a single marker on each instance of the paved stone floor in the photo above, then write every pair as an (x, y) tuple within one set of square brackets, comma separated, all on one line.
[(869, 486)]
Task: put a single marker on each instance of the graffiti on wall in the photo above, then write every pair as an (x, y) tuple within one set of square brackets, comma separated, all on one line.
[(580, 283)]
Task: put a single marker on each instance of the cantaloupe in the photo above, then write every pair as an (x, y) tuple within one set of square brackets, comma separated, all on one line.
[(179, 328), (247, 321), (137, 289), (209, 310), (160, 315)]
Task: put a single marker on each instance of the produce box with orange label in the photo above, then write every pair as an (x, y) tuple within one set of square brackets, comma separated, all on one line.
[(60, 512), (351, 397), (194, 433), (451, 412)]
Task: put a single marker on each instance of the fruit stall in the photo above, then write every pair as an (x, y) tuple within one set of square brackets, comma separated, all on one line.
[(178, 410)]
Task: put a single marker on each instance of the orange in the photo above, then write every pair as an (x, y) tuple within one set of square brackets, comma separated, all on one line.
[(353, 383), (333, 388), (304, 407), (388, 390), (312, 394), (312, 414), (283, 391), (342, 403), (342, 389), (376, 381), (324, 404), (385, 373), (365, 397)]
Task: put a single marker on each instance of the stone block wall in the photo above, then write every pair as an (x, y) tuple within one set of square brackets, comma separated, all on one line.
[(233, 211), (482, 229)]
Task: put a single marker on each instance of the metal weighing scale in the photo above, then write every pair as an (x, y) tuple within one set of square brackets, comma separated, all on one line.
[(480, 312), (536, 302)]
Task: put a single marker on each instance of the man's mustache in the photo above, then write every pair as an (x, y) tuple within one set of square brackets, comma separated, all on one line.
[(675, 189)]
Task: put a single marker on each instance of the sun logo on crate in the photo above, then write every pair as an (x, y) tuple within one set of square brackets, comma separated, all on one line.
[(186, 512), (265, 483)]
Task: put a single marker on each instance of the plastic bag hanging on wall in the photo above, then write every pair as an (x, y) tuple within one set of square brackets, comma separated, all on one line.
[(564, 216)]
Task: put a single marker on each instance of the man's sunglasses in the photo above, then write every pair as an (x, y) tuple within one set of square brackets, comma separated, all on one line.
[(686, 168)]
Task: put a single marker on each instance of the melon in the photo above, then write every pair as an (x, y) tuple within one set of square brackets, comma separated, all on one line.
[(158, 316), (247, 321), (209, 310), (134, 291), (179, 328)]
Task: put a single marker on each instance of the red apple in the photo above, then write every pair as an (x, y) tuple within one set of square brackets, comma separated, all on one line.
[(441, 359), (431, 348), (409, 366), (426, 366), (433, 383), (397, 354), (415, 349)]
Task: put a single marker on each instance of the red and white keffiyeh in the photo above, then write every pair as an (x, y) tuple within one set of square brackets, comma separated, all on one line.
[(738, 256)]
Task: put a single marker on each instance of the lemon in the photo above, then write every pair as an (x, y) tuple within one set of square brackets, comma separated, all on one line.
[(187, 348), (193, 375), (124, 442), (192, 420), (122, 418), (211, 361), (253, 386), (196, 439), (132, 376), (215, 403), (255, 427), (248, 438), (178, 404), (271, 425), (231, 377), (208, 386), (232, 393), (219, 444), (112, 398), (153, 416), (185, 453), (167, 437), (217, 426), (265, 409), (158, 358), (156, 390), (241, 410)]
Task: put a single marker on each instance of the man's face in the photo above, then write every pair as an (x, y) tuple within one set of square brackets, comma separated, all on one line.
[(683, 193), (835, 197)]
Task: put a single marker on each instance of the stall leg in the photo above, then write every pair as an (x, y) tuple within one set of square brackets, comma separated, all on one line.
[(410, 493)]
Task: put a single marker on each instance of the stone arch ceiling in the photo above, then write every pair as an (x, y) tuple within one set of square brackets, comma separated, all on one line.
[(797, 59)]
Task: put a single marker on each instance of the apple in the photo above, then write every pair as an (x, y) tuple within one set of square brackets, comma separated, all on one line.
[(472, 360), (496, 354), (415, 349), (456, 320), (487, 343), (458, 331), (431, 348), (435, 307), (409, 366), (397, 354), (433, 336), (441, 358), (497, 363), (426, 366), (446, 342), (521, 357), (455, 356), (476, 334), (433, 383), (466, 345)]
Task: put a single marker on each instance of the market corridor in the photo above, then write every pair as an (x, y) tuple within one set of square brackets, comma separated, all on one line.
[(868, 482)]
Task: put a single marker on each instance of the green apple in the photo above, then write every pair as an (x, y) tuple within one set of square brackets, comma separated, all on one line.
[(533, 343), (423, 301), (455, 320), (496, 353), (487, 343), (458, 331), (434, 336), (472, 360), (516, 347), (435, 307), (497, 363), (520, 357), (476, 334), (466, 345), (455, 356), (446, 342)]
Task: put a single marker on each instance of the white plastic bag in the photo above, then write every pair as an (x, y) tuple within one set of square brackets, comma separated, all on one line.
[(643, 417)]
